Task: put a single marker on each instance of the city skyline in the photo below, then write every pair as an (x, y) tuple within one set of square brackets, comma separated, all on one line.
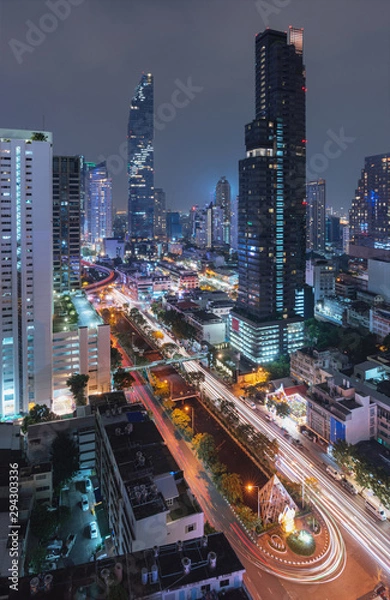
[(338, 106)]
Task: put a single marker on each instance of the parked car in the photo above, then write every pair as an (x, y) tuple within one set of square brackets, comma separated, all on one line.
[(268, 418), (349, 486), (53, 555), (333, 473), (87, 484), (297, 443), (92, 529), (84, 502)]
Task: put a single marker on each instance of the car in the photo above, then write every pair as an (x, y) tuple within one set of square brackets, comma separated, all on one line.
[(92, 529), (53, 555), (349, 486), (84, 502), (88, 485), (333, 473), (297, 442), (268, 418)]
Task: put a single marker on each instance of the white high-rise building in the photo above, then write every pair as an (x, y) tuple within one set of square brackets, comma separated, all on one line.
[(26, 269)]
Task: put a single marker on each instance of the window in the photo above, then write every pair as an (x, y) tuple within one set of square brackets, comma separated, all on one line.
[(190, 528), (224, 582)]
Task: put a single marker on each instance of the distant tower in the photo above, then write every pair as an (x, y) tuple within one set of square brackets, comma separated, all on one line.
[(67, 185), (98, 197), (268, 318), (369, 217), (174, 229), (26, 270), (140, 136), (315, 215), (223, 200), (160, 227)]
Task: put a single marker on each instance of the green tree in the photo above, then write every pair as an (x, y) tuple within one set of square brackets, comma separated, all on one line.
[(38, 137), (248, 517), (168, 349), (181, 420), (65, 458), (196, 378), (363, 474), (282, 409), (231, 485), (39, 413), (277, 369), (344, 454), (205, 447), (116, 357), (37, 560), (122, 379), (77, 384), (43, 522)]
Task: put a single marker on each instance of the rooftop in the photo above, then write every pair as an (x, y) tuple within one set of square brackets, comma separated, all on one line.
[(72, 311), (143, 574), (203, 317)]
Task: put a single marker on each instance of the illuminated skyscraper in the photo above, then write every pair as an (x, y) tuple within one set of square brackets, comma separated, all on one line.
[(98, 199), (369, 217), (223, 200), (315, 215), (160, 214), (140, 138), (67, 176), (268, 318), (26, 270)]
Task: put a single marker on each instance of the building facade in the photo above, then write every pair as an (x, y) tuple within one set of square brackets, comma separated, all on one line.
[(272, 210), (369, 218), (67, 193), (315, 215), (140, 137), (98, 199), (26, 269), (160, 211), (223, 201)]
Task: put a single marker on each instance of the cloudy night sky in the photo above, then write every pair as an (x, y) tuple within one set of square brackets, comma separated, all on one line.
[(82, 75)]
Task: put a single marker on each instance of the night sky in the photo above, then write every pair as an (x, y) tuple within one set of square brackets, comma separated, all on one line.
[(82, 75)]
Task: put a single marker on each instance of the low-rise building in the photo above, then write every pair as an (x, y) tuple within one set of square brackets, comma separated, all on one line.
[(337, 411), (380, 321), (37, 481), (209, 327), (147, 498), (200, 568), (81, 344), (321, 276)]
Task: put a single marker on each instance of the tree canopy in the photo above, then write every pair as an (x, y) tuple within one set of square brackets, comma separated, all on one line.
[(77, 384), (39, 413), (65, 458), (122, 379)]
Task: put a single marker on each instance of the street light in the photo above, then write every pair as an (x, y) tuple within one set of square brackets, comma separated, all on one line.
[(187, 408), (170, 387), (251, 487)]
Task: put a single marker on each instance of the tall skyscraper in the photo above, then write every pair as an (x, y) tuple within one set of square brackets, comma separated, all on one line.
[(174, 230), (234, 224), (223, 200), (26, 269), (268, 318), (67, 176), (160, 214), (98, 198), (369, 217), (140, 137), (315, 215)]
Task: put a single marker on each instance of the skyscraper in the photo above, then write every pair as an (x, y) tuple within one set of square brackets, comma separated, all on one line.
[(67, 175), (369, 217), (268, 318), (174, 230), (26, 269), (160, 214), (315, 215), (223, 200), (140, 138), (98, 199)]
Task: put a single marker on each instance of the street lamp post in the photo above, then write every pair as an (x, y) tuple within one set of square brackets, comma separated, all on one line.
[(192, 416), (170, 388), (250, 488)]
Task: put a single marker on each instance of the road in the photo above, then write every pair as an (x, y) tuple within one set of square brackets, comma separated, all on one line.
[(365, 538)]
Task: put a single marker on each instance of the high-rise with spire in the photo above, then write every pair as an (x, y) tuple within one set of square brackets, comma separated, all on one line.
[(268, 318), (140, 138)]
